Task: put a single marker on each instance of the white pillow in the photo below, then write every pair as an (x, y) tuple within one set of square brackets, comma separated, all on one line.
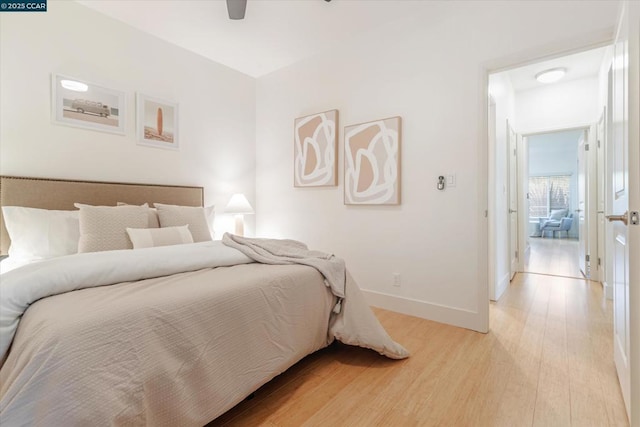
[(41, 233), (152, 237), (103, 228), (198, 219), (557, 214), (153, 213)]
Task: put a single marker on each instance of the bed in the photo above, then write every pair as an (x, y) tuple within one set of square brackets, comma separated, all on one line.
[(169, 335)]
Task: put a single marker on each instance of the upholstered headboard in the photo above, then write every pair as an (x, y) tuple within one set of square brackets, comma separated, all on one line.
[(62, 194)]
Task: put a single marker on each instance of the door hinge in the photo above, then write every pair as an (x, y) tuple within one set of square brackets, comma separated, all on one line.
[(599, 262), (514, 151), (587, 258), (598, 143), (586, 147), (517, 255)]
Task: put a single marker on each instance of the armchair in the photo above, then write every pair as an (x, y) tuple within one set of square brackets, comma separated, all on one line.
[(558, 221)]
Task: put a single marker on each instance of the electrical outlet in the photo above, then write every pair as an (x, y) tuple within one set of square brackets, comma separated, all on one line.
[(396, 279)]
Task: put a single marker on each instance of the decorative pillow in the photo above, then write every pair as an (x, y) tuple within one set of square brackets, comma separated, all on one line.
[(103, 228), (153, 214), (557, 214), (152, 237), (198, 219), (41, 233), (144, 205)]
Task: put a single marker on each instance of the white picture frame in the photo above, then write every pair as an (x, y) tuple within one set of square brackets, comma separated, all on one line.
[(82, 104), (157, 122)]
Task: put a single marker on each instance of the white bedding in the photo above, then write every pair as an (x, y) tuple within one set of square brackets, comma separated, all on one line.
[(11, 263), (170, 336), (177, 350), (23, 286)]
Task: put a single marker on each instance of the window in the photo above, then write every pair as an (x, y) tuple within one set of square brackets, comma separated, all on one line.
[(547, 193)]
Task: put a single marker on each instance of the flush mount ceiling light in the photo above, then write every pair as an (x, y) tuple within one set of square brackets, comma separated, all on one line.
[(552, 75), (237, 8), (74, 85)]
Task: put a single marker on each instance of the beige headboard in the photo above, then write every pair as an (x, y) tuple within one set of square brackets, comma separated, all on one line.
[(62, 194)]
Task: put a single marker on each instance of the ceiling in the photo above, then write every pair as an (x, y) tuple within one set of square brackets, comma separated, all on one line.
[(274, 33), (579, 66)]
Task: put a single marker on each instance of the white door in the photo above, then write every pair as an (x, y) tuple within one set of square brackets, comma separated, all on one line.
[(512, 145), (599, 275), (619, 151), (581, 212)]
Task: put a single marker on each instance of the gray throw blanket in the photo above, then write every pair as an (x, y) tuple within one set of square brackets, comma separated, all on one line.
[(353, 321), (276, 251)]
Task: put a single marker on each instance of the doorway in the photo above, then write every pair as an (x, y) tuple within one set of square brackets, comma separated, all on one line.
[(528, 111), (554, 215), (617, 142)]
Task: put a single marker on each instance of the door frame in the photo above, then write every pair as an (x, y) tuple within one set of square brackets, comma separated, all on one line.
[(601, 171), (485, 185), (522, 155), (514, 251), (585, 233), (590, 186), (487, 256)]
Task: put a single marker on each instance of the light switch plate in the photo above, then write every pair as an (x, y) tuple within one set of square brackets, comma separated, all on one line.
[(451, 180)]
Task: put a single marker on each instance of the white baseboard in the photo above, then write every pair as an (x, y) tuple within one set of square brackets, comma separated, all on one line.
[(502, 286), (608, 290), (436, 312)]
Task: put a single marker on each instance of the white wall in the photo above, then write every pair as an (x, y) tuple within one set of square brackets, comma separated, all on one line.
[(558, 106), (216, 106), (428, 69)]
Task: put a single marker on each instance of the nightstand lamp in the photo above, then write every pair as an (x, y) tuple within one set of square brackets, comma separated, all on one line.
[(239, 206)]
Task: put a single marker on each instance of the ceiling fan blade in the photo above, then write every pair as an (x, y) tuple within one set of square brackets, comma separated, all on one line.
[(236, 8)]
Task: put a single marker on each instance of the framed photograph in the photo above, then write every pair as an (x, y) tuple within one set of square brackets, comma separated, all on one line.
[(157, 122), (372, 162), (315, 146), (76, 102)]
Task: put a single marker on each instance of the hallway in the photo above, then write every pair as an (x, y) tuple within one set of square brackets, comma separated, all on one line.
[(556, 257)]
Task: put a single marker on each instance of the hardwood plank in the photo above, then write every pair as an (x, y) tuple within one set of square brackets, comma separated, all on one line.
[(547, 361), (587, 399), (398, 380), (553, 402), (518, 403), (558, 257)]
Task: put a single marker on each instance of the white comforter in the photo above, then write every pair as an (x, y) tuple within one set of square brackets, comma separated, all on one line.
[(178, 348), (21, 287)]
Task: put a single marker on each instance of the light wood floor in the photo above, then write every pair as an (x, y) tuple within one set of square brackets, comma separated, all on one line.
[(547, 361), (557, 257)]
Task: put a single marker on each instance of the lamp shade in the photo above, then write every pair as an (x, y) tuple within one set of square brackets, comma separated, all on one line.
[(238, 205)]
